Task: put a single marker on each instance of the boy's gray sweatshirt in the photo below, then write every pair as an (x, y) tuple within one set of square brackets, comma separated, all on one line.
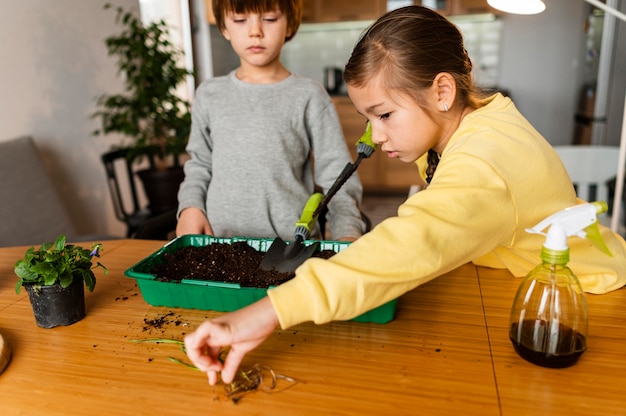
[(251, 152)]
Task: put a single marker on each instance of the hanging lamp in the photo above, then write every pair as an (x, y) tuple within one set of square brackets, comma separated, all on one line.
[(518, 6)]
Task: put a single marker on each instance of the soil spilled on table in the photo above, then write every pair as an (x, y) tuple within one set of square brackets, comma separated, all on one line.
[(231, 263)]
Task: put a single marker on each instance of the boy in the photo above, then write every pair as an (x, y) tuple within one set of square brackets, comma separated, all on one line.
[(255, 133)]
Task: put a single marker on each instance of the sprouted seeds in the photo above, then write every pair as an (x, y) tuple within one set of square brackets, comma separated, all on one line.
[(257, 377)]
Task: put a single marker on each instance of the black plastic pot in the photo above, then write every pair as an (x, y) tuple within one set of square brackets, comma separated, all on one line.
[(56, 306), (162, 188)]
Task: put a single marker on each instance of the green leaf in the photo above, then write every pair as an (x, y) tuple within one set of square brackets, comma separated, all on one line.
[(90, 280), (65, 279), (181, 362), (59, 243), (158, 341), (23, 271), (50, 278)]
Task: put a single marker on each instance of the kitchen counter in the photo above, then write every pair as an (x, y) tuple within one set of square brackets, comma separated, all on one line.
[(446, 352)]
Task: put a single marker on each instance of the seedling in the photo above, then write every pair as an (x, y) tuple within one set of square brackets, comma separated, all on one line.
[(245, 381)]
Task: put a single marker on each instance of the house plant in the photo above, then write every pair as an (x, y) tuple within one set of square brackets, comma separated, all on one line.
[(154, 121), (53, 276)]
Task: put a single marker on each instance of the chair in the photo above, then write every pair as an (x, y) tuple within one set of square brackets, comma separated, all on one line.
[(159, 227), (591, 169), (118, 166), (160, 186), (31, 209)]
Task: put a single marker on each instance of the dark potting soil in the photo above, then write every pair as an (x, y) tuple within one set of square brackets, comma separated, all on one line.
[(232, 263)]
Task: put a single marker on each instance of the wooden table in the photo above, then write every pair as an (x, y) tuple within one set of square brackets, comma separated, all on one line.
[(447, 352)]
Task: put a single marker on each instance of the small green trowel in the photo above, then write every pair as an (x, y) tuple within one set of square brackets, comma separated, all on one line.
[(286, 257)]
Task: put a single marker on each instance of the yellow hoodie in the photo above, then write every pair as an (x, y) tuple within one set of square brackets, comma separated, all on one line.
[(496, 177)]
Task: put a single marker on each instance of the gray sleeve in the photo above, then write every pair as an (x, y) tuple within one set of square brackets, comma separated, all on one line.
[(198, 169), (331, 155)]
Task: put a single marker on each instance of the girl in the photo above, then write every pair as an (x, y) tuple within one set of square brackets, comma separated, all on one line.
[(410, 76)]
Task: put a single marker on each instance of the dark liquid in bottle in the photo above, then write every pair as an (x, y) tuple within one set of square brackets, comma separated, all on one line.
[(531, 344)]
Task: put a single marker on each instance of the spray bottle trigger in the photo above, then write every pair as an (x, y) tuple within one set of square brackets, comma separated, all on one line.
[(593, 234)]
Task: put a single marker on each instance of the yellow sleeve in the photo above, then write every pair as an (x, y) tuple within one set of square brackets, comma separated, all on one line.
[(465, 213)]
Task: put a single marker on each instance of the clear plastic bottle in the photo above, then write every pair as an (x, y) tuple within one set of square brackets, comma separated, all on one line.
[(549, 318)]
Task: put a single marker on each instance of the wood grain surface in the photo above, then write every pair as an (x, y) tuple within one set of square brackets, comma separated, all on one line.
[(446, 352), (5, 354)]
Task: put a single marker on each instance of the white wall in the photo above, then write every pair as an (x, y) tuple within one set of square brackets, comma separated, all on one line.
[(54, 64), (541, 66)]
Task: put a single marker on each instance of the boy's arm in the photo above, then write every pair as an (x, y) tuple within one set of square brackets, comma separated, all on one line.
[(198, 169)]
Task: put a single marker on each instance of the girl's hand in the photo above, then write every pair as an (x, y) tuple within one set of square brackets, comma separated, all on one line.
[(242, 331), (193, 221)]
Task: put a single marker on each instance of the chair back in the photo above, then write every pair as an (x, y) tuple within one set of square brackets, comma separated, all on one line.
[(111, 160), (590, 166), (121, 181), (31, 209)]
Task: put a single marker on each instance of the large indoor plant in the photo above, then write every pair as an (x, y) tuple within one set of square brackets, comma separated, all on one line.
[(154, 120), (53, 276)]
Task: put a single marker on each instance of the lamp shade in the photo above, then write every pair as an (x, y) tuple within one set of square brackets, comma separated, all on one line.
[(518, 6)]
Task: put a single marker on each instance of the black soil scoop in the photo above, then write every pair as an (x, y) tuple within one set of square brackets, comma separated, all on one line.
[(286, 258)]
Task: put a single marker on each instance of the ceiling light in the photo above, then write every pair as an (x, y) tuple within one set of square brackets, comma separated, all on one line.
[(518, 6)]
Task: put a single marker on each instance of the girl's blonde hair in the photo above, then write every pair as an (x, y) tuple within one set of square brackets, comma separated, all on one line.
[(407, 48), (292, 9)]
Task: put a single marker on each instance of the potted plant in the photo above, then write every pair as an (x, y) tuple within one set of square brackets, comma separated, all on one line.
[(53, 276), (155, 121)]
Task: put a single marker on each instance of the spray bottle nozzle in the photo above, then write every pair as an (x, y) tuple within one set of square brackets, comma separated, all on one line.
[(580, 220)]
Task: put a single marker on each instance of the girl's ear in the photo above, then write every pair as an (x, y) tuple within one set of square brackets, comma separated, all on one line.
[(226, 34), (445, 86)]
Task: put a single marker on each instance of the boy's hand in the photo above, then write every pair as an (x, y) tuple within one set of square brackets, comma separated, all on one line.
[(193, 221)]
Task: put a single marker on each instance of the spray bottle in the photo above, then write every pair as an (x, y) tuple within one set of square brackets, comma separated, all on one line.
[(549, 314)]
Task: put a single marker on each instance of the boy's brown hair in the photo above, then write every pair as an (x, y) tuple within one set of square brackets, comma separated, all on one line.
[(292, 9)]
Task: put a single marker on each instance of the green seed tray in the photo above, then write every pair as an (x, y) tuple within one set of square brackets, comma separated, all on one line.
[(217, 296)]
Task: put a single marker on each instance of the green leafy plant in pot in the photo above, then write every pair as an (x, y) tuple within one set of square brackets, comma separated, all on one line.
[(152, 117), (53, 276)]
